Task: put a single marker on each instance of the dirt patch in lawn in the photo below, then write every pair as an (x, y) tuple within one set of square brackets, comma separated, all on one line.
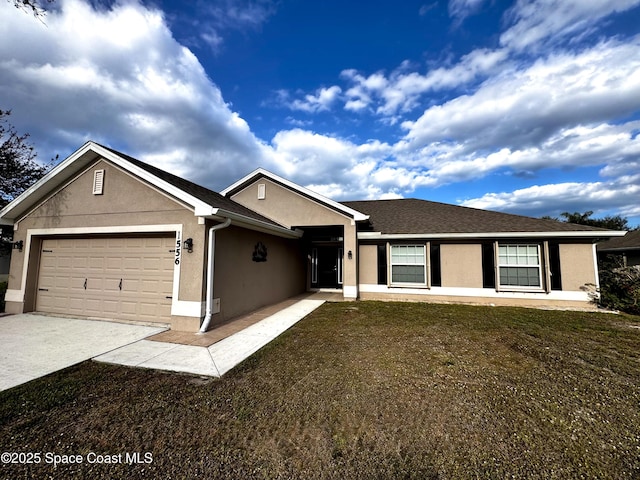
[(364, 390)]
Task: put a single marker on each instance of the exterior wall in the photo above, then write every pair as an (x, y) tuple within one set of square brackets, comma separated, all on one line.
[(287, 207), (368, 264), (291, 209), (462, 280), (461, 265), (127, 206), (577, 265), (243, 285), (483, 296)]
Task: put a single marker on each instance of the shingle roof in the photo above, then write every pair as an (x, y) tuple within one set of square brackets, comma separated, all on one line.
[(414, 216), (208, 196), (631, 241)]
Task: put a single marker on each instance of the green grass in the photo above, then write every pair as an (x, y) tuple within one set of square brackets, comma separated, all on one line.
[(360, 390)]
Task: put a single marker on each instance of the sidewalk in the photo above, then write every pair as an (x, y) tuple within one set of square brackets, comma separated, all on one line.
[(200, 357)]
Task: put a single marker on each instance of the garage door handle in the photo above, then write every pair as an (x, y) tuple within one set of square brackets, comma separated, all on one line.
[(120, 285), (85, 283), (43, 289)]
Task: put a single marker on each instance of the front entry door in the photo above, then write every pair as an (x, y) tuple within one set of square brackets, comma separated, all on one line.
[(326, 267)]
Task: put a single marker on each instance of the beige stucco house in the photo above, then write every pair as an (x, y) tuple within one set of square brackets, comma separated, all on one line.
[(105, 235)]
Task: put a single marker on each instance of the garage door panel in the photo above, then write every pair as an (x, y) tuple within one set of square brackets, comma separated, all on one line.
[(93, 306), (129, 308), (74, 284), (131, 264), (150, 286), (126, 278), (75, 304), (96, 262), (110, 309), (47, 281), (112, 264)]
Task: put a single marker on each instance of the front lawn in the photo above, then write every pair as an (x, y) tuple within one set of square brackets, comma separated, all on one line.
[(356, 390)]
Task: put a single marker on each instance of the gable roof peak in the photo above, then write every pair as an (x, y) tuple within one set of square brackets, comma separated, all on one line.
[(305, 192), (205, 202)]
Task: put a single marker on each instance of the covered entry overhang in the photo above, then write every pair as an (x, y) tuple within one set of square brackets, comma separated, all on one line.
[(330, 228), (326, 253)]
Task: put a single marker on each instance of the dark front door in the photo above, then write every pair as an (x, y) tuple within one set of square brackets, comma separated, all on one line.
[(326, 267)]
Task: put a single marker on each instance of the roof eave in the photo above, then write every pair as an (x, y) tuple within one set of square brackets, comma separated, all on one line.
[(470, 235), (252, 223), (618, 249)]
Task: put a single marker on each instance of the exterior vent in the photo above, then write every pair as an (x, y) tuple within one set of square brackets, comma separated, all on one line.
[(98, 182), (262, 191)]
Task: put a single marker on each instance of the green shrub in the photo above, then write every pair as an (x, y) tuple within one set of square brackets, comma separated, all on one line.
[(620, 288), (3, 289)]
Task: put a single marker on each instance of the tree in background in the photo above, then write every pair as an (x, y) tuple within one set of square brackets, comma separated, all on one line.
[(30, 6), (18, 170), (18, 167), (619, 285), (610, 222)]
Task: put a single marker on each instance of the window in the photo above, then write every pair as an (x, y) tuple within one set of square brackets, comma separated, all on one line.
[(520, 265), (408, 264)]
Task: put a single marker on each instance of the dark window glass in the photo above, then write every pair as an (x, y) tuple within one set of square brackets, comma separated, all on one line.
[(382, 264), (488, 268), (554, 265), (436, 277), (407, 274), (520, 276)]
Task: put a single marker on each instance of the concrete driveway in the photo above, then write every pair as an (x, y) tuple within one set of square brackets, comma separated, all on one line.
[(35, 345)]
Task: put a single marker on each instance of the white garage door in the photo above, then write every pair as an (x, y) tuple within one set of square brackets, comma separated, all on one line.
[(107, 277)]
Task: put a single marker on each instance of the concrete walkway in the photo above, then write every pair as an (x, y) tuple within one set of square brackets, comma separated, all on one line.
[(217, 359), (32, 345)]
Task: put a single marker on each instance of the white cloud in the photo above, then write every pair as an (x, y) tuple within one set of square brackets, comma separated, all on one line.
[(461, 9), (544, 20), (336, 167), (552, 199), (119, 74), (90, 74), (212, 21), (323, 99), (523, 108), (402, 90), (426, 8)]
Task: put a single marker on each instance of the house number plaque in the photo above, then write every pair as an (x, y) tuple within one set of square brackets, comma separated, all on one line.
[(178, 248)]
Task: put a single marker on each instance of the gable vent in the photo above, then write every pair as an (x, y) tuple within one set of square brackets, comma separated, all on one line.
[(262, 191), (98, 182)]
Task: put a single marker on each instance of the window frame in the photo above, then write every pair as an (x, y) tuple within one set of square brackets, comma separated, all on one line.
[(539, 266), (424, 264)]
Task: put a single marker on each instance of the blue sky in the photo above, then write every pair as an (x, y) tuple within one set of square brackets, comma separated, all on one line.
[(529, 107)]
